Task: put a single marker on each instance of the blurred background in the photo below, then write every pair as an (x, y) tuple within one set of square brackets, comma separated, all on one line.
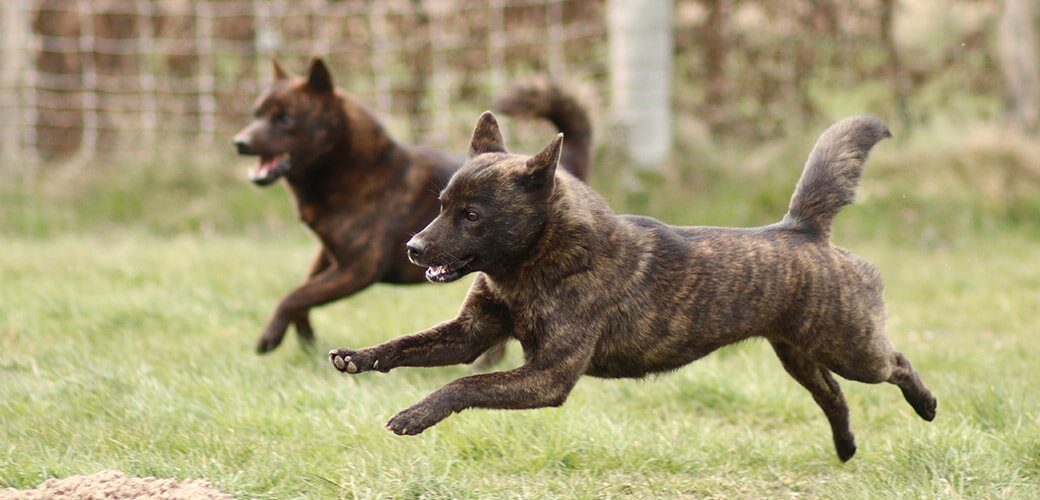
[(137, 261), (684, 88)]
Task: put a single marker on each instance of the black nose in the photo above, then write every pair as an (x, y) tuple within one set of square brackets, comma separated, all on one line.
[(242, 146), (416, 250)]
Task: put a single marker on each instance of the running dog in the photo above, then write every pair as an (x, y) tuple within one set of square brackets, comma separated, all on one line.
[(586, 292), (362, 193)]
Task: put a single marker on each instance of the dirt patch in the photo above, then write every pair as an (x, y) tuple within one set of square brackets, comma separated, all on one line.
[(114, 485)]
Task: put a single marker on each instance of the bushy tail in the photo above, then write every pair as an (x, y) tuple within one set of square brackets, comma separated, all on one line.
[(543, 98), (832, 172)]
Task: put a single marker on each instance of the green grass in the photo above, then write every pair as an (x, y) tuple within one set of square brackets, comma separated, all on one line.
[(131, 299), (134, 352)]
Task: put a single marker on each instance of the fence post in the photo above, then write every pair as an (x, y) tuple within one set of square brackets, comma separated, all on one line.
[(146, 76), (640, 77), (15, 32), (378, 56), (91, 104), (441, 79), (204, 76), (1018, 49), (497, 43)]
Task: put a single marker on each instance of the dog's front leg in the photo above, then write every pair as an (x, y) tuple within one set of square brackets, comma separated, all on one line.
[(304, 330), (453, 342), (445, 344), (523, 388), (553, 367), (335, 283), (482, 323)]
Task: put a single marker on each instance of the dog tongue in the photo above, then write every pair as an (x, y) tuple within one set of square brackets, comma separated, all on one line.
[(265, 165), (269, 169)]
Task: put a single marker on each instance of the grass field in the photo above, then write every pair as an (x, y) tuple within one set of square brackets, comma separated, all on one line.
[(129, 305)]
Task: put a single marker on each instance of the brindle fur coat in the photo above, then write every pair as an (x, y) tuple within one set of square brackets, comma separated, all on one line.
[(587, 292)]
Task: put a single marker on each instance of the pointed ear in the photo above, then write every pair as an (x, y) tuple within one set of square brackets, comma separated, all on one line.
[(549, 157), (487, 138), (279, 72), (318, 77), (542, 166)]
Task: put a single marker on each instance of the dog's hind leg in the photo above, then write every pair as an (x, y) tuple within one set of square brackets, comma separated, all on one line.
[(914, 390), (874, 362), (825, 391), (490, 358)]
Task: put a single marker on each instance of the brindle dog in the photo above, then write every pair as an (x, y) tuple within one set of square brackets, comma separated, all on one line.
[(587, 292), (362, 193)]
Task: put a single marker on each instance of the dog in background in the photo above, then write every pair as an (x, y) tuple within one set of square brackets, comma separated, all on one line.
[(362, 193), (586, 292)]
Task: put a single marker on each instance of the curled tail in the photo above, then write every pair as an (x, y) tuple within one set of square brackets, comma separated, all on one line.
[(831, 173), (543, 98)]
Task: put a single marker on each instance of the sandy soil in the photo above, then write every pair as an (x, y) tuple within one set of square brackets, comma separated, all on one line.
[(114, 485)]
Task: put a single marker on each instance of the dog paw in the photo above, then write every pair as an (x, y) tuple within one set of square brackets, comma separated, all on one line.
[(350, 361), (416, 419), (271, 338), (846, 451), (267, 344), (926, 408), (845, 445), (343, 360)]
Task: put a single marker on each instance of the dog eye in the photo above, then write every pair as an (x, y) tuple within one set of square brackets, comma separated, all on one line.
[(470, 215), (284, 119)]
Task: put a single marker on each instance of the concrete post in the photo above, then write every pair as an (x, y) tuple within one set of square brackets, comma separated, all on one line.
[(640, 79)]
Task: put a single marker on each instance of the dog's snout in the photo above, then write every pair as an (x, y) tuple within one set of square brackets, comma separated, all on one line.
[(416, 249), (242, 145)]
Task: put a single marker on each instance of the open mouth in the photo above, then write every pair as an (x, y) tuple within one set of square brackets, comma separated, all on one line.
[(445, 273), (270, 169)]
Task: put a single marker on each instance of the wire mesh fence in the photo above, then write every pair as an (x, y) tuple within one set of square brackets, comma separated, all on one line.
[(99, 77), (109, 78)]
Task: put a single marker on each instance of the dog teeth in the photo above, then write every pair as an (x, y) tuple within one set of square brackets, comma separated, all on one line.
[(375, 365), (337, 362), (351, 367)]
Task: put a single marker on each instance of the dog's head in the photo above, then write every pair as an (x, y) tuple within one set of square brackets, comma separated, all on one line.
[(295, 121), (493, 209)]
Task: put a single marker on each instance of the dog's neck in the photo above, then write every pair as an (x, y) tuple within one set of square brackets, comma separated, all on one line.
[(364, 153), (364, 142)]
